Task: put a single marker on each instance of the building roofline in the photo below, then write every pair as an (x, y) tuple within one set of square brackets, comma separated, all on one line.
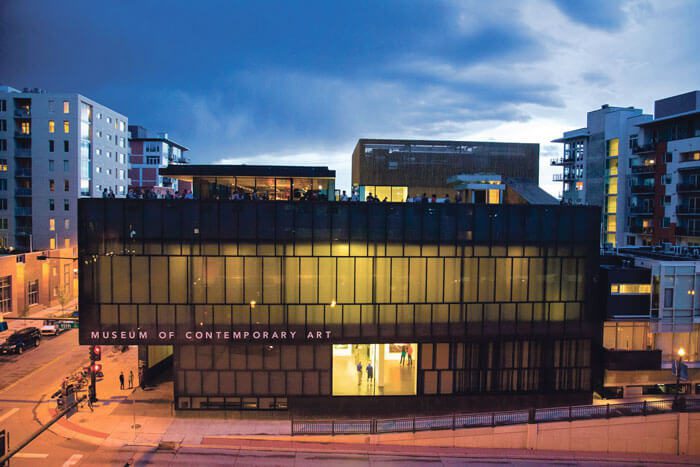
[(167, 140), (244, 170), (670, 117), (433, 141)]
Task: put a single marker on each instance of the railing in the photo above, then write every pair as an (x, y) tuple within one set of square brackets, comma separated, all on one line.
[(23, 192), (561, 161), (642, 188), (643, 169), (641, 230), (563, 177), (23, 113), (642, 210), (490, 419), (23, 134), (23, 172), (649, 147), (687, 210), (23, 211), (688, 187), (19, 152)]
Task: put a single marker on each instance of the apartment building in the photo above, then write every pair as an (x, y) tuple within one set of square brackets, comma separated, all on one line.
[(54, 149), (667, 181), (595, 166), (149, 153)]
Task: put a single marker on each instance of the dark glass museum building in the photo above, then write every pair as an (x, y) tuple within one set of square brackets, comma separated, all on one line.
[(278, 304)]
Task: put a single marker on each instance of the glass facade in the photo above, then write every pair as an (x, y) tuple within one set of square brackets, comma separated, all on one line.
[(255, 294)]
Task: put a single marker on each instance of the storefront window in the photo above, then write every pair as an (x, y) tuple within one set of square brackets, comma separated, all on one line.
[(374, 369)]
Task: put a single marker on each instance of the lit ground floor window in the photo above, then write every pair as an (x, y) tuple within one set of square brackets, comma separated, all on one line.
[(374, 369)]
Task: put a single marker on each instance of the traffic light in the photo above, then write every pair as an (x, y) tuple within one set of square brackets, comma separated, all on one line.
[(96, 368), (95, 353)]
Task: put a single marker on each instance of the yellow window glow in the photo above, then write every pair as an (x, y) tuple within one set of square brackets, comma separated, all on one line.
[(66, 107), (66, 126), (613, 147), (52, 126)]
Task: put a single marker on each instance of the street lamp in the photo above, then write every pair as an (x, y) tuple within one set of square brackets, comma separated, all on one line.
[(681, 354)]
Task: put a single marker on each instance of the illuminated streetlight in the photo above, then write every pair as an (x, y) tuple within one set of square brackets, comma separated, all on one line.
[(681, 352), (252, 303)]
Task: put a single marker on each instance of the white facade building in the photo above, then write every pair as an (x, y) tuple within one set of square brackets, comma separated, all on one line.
[(55, 148)]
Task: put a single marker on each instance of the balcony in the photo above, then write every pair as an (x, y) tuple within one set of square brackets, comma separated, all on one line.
[(641, 210), (23, 231), (688, 210), (23, 211), (632, 360), (23, 173), (23, 192), (22, 134), (643, 169), (642, 189), (23, 152), (561, 161), (686, 232), (563, 177), (23, 112), (687, 187), (638, 229), (644, 148)]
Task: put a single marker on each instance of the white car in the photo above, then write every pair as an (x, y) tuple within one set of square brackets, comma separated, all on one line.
[(50, 329)]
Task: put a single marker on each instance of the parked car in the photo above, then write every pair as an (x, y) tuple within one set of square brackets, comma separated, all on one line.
[(21, 340), (51, 328)]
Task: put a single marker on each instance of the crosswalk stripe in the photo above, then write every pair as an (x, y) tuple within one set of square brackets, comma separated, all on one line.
[(72, 460), (7, 415)]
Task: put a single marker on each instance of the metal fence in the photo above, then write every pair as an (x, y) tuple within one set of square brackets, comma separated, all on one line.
[(488, 419)]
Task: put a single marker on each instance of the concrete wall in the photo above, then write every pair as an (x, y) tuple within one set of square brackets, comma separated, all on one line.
[(676, 433)]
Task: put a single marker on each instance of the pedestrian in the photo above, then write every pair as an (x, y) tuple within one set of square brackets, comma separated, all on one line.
[(370, 372), (131, 379), (121, 380), (409, 352), (359, 373), (403, 355)]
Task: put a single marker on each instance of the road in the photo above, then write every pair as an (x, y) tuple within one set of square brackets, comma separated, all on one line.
[(27, 379)]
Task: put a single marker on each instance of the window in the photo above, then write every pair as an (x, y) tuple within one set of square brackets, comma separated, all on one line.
[(630, 289), (51, 165), (52, 224), (99, 132), (52, 246), (3, 105), (98, 152), (109, 171), (98, 170), (669, 157), (51, 205), (3, 165), (3, 204), (51, 145), (66, 244), (66, 146), (122, 126), (3, 125), (66, 126), (122, 158), (121, 190), (52, 126), (4, 224), (3, 145), (121, 174), (152, 160), (52, 105), (65, 165), (66, 274), (109, 119), (668, 298), (5, 291), (66, 205), (66, 108), (351, 379), (52, 185), (99, 115), (25, 128), (66, 224), (66, 185), (3, 184), (33, 292)]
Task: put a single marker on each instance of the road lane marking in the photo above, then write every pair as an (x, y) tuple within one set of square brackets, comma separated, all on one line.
[(72, 460), (31, 455), (7, 415)]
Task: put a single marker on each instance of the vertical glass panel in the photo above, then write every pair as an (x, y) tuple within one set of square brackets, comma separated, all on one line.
[(487, 270), (309, 280), (569, 282), (417, 280), (470, 279), (326, 280), (382, 280), (272, 280), (291, 280), (199, 289), (536, 279), (139, 279), (104, 280), (234, 280), (178, 287), (520, 279), (215, 279), (346, 280), (503, 279), (120, 287), (363, 280), (553, 278), (159, 287), (435, 280), (399, 280), (253, 279), (451, 279)]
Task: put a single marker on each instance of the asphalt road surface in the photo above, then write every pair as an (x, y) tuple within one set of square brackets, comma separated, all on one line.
[(27, 379)]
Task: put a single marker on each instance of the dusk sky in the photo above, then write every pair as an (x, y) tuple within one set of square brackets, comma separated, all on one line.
[(299, 82)]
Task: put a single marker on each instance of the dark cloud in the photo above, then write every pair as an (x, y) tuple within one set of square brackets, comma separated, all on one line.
[(598, 14)]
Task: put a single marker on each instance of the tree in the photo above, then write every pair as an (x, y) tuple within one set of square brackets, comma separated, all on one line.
[(63, 298)]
